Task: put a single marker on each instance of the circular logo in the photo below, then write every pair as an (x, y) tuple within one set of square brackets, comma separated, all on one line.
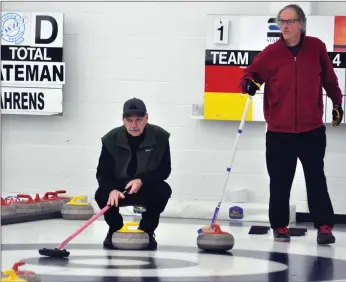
[(13, 27)]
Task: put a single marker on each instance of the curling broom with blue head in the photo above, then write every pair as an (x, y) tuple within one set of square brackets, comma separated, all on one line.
[(210, 227)]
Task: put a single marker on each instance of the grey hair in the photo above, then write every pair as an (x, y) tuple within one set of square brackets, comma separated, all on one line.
[(300, 15)]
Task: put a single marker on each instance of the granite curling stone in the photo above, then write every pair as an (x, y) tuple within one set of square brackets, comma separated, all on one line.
[(74, 210), (48, 204), (126, 239), (27, 207), (55, 204), (7, 210), (28, 276), (215, 240)]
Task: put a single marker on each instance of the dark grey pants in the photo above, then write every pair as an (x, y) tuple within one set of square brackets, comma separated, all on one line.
[(153, 197)]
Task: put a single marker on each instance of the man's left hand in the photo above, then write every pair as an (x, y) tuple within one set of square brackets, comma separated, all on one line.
[(134, 186), (338, 115)]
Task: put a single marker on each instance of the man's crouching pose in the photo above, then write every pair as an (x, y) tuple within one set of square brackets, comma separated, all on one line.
[(135, 156)]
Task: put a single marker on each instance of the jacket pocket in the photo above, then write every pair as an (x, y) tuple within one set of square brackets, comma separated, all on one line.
[(310, 105), (280, 111), (281, 115)]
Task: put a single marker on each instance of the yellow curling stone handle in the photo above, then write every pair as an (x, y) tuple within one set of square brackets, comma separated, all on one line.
[(74, 202), (125, 229), (12, 276)]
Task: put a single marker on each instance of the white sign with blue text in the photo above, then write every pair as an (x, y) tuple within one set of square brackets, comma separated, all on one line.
[(32, 66)]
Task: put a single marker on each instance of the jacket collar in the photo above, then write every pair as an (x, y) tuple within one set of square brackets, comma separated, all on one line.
[(302, 38), (149, 139)]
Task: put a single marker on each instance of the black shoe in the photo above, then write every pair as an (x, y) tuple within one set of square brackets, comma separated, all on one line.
[(281, 235), (325, 235), (107, 243), (152, 242), (152, 246)]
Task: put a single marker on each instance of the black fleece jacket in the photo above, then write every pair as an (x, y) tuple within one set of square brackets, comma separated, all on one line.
[(105, 169)]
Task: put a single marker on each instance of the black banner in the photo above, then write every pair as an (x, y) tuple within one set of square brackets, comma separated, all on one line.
[(28, 53), (245, 58), (230, 57)]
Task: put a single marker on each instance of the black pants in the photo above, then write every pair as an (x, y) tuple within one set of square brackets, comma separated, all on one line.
[(154, 198), (282, 153)]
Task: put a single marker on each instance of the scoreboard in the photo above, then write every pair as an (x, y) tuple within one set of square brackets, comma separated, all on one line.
[(32, 64)]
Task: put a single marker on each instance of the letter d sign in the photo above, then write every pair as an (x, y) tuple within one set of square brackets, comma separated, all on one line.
[(48, 30)]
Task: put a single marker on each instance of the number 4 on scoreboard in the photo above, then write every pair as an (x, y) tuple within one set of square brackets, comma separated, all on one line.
[(338, 59), (221, 27)]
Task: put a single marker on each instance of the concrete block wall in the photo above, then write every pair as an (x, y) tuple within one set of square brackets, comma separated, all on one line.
[(154, 51)]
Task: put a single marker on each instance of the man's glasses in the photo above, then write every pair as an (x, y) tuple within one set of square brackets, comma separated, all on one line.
[(289, 22)]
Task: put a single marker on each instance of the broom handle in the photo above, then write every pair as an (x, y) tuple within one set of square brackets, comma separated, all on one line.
[(80, 229), (235, 146), (85, 225)]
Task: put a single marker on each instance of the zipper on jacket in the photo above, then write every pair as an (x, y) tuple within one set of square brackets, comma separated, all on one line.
[(295, 72)]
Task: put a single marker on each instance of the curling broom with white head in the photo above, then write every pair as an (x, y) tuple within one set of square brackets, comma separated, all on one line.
[(210, 227)]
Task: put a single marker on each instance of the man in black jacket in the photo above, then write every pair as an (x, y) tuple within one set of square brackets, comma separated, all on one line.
[(134, 156)]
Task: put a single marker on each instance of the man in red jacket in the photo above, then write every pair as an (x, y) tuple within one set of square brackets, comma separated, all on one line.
[(294, 69)]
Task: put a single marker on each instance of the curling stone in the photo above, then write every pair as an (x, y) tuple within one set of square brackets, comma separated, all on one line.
[(11, 276), (7, 210), (127, 239), (74, 210), (27, 207), (65, 199), (28, 276), (215, 240), (50, 202)]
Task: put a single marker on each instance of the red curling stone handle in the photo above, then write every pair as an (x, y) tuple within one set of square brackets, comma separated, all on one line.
[(53, 194), (26, 196)]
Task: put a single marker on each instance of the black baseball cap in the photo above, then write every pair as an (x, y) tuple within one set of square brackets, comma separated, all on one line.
[(134, 107)]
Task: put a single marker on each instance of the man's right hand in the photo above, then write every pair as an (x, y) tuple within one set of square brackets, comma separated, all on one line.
[(251, 87), (114, 197)]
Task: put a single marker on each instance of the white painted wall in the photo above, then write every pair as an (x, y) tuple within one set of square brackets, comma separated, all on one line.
[(155, 51)]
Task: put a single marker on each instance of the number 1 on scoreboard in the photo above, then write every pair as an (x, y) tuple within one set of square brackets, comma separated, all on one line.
[(221, 31)]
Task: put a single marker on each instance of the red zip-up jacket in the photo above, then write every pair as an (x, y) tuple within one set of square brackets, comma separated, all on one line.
[(293, 96)]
